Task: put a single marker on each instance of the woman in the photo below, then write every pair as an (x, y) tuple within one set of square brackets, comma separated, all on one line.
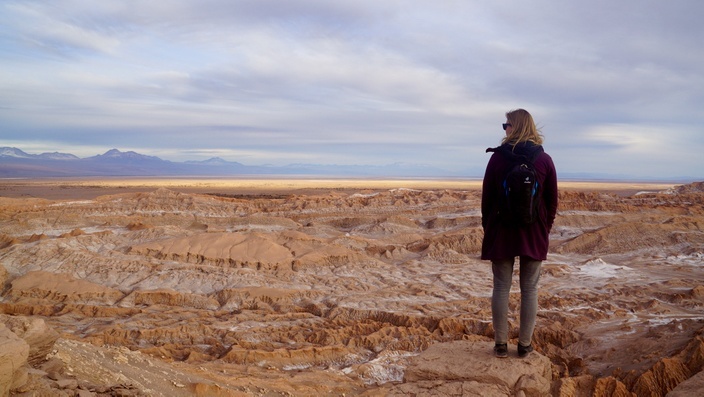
[(504, 242)]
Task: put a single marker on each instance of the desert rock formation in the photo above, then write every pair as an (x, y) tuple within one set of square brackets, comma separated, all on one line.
[(330, 292)]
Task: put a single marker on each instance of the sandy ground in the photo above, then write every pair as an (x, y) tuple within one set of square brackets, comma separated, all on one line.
[(88, 188)]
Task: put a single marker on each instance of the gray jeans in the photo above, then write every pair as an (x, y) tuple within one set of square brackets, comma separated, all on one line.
[(529, 276)]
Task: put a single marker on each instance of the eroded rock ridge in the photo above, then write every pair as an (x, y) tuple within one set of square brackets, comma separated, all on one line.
[(347, 293)]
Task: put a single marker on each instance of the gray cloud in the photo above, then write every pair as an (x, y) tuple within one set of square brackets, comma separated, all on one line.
[(365, 82)]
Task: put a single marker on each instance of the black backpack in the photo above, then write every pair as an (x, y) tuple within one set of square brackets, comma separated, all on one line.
[(520, 196)]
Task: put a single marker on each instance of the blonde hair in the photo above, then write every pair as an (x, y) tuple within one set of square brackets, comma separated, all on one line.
[(524, 129)]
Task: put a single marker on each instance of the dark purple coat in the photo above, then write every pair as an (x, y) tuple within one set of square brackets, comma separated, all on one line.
[(503, 241)]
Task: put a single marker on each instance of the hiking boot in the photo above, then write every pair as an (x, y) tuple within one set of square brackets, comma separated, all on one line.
[(524, 350), (501, 350)]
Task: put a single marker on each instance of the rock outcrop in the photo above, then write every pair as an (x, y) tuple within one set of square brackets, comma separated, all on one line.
[(30, 365), (61, 288), (3, 278), (466, 368)]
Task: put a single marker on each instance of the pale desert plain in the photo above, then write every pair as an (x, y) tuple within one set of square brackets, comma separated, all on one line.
[(304, 287)]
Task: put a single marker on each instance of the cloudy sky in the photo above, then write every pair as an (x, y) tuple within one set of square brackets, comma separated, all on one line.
[(617, 87)]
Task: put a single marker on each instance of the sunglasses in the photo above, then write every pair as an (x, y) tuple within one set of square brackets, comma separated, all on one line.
[(506, 125)]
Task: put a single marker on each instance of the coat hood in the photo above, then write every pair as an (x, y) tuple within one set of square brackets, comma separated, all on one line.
[(527, 149)]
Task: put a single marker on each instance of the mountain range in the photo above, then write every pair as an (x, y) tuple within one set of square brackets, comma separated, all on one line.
[(15, 163)]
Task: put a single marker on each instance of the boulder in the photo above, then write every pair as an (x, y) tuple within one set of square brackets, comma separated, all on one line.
[(690, 387), (35, 333), (13, 360)]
